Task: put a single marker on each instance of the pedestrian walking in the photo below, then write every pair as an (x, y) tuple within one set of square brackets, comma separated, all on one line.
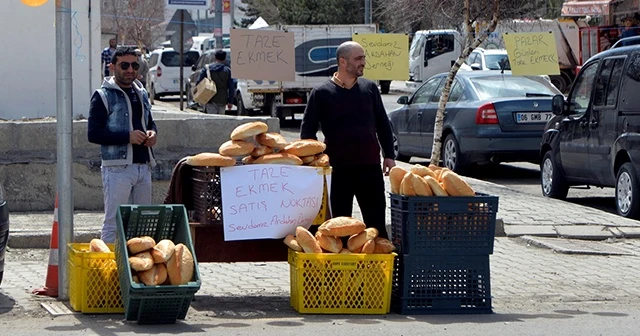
[(120, 122), (221, 75), (107, 54), (350, 111), (144, 68)]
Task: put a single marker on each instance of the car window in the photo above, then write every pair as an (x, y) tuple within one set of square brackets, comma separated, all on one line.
[(495, 62), (630, 99), (606, 90), (498, 86), (470, 59), (440, 44), (172, 58), (579, 99), (153, 61), (454, 94), (424, 93)]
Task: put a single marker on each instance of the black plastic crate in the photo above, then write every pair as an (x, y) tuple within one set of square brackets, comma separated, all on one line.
[(162, 304), (207, 195), (443, 225), (441, 285)]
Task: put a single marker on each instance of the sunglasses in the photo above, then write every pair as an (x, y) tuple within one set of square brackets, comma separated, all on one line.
[(125, 65)]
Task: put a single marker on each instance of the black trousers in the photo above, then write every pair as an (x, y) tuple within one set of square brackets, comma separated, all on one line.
[(366, 183)]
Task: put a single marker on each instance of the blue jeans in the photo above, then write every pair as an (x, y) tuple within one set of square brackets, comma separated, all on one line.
[(128, 184)]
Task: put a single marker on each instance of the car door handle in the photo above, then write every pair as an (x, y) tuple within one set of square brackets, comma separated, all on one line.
[(594, 123), (420, 114), (584, 123)]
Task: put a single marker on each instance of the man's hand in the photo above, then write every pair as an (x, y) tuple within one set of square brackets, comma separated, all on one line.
[(137, 137), (387, 164), (151, 139)]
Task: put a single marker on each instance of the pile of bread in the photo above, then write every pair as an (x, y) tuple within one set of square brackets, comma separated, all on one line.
[(428, 181), (254, 144), (164, 263), (328, 238)]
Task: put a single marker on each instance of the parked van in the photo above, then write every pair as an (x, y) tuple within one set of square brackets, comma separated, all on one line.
[(594, 137), (164, 71)]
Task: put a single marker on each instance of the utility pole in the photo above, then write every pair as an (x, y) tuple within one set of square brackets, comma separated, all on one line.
[(217, 24), (64, 136), (367, 11)]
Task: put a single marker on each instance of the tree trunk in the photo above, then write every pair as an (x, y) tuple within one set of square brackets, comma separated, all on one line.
[(470, 45)]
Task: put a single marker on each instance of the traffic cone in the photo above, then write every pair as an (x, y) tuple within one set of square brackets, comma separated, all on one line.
[(51, 284)]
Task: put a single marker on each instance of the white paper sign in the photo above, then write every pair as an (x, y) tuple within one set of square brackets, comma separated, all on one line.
[(269, 201)]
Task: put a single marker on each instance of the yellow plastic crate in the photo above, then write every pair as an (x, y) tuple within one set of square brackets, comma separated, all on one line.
[(94, 286), (329, 283)]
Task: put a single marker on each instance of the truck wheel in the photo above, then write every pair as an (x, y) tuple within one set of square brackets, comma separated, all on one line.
[(560, 82), (385, 86), (628, 192), (273, 110), (552, 180), (396, 150)]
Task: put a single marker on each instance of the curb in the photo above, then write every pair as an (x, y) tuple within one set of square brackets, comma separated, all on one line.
[(39, 240)]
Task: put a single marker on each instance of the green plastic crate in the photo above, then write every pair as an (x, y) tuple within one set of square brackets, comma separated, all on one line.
[(162, 304)]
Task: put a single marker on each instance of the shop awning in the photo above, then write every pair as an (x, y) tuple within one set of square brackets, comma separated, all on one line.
[(584, 8)]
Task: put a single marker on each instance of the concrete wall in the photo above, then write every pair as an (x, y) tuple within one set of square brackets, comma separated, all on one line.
[(28, 157), (28, 67)]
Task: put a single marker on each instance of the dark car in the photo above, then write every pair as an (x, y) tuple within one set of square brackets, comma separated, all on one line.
[(490, 117), (594, 137), (4, 229), (207, 58)]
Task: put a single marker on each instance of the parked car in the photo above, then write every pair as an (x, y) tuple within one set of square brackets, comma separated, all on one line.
[(164, 71), (490, 117), (593, 137), (486, 59), (207, 57), (4, 229)]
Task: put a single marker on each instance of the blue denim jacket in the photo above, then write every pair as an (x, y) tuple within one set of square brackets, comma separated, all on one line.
[(119, 120)]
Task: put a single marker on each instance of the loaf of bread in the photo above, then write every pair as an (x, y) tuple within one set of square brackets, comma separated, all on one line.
[(369, 246), (248, 159), (383, 246), (98, 245), (249, 130), (455, 185), (141, 262), (308, 159), (321, 160), (279, 158), (163, 251), (421, 187), (341, 227), (345, 251), (180, 266), (157, 275), (211, 160), (140, 244), (329, 243), (291, 241), (422, 171), (435, 186), (395, 178), (272, 139), (305, 147), (357, 241), (406, 186), (261, 150), (306, 240), (236, 148)]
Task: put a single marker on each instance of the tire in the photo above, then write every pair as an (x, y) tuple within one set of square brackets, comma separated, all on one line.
[(628, 191), (560, 82), (450, 154), (153, 93), (273, 110), (396, 150), (552, 180), (385, 86), (242, 111)]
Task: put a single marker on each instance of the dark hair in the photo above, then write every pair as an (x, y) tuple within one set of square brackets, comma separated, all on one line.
[(221, 55), (122, 51)]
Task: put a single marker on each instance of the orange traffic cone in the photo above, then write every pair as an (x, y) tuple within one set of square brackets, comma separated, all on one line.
[(51, 284)]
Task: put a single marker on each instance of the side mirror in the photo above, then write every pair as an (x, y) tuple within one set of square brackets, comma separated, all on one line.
[(403, 100), (557, 104), (476, 66), (193, 67)]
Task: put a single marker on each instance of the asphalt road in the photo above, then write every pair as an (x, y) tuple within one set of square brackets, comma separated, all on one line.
[(524, 177)]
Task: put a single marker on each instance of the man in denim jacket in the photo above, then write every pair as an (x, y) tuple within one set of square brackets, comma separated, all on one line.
[(120, 121)]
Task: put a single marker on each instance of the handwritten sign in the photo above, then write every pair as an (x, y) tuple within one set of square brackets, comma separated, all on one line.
[(532, 53), (387, 55), (269, 201), (262, 54)]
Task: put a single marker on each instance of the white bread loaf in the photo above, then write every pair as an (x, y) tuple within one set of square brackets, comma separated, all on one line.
[(455, 185), (307, 159), (291, 241), (211, 160), (345, 251), (369, 246), (329, 243), (421, 187), (236, 148), (141, 262), (305, 147), (140, 244), (278, 158), (272, 139), (435, 186), (306, 240), (383, 246), (248, 159), (180, 266), (341, 227), (395, 178), (406, 186), (98, 245), (249, 130), (261, 150), (163, 251), (157, 275), (422, 171), (357, 241), (321, 160)]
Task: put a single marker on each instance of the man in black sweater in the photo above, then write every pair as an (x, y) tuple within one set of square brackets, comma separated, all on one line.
[(355, 125)]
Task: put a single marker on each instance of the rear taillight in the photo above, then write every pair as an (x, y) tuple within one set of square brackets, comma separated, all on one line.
[(293, 100), (159, 72), (486, 114)]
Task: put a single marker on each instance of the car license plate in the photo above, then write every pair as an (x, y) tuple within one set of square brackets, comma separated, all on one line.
[(533, 117)]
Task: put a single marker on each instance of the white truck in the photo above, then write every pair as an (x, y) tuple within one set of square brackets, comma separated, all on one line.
[(434, 51), (315, 52)]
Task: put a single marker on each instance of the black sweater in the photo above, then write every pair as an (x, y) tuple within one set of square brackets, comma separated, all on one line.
[(353, 121)]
